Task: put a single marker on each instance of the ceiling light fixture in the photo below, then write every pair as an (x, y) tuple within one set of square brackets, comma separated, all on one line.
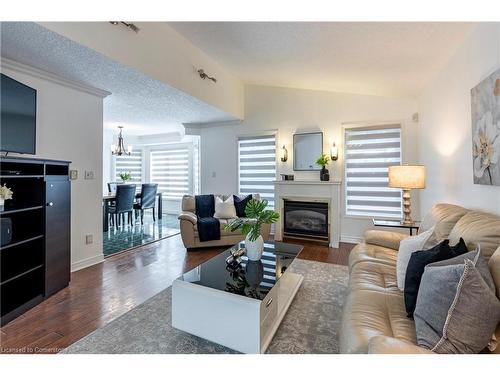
[(119, 149), (128, 25), (204, 75)]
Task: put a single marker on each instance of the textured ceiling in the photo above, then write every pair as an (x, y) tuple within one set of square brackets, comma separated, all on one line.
[(390, 59), (143, 105)]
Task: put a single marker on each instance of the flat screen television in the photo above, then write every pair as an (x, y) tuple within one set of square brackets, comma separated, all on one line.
[(18, 117)]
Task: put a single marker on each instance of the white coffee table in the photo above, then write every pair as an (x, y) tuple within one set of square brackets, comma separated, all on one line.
[(241, 310)]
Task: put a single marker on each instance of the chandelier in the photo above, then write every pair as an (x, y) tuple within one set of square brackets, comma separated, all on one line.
[(119, 149)]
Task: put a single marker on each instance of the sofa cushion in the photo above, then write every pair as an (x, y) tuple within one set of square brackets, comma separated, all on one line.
[(374, 276), (423, 241), (416, 268), (384, 238), (189, 216), (372, 253), (390, 345), (494, 265), (478, 227), (188, 204), (457, 312), (368, 314), (443, 217)]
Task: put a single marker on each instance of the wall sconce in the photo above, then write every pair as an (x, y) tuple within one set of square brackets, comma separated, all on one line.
[(334, 152), (284, 154), (204, 75)]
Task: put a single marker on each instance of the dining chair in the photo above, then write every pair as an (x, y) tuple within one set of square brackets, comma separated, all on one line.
[(146, 201), (112, 186), (124, 204)]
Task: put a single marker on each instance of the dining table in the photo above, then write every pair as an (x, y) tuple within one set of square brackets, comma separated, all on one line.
[(107, 199)]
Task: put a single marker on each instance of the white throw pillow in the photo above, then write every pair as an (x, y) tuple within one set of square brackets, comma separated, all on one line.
[(423, 241), (225, 209)]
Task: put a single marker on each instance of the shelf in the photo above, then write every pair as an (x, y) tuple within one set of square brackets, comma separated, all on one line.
[(21, 242), (22, 274), (11, 315), (35, 261), (20, 210), (307, 182), (20, 291)]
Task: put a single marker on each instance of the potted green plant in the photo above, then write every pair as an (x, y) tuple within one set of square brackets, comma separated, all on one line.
[(5, 194), (250, 226), (322, 161), (125, 176)]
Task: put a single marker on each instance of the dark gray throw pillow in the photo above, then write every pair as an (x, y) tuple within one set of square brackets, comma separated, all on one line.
[(475, 257), (457, 311)]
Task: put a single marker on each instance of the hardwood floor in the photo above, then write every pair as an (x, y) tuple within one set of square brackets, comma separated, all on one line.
[(101, 293)]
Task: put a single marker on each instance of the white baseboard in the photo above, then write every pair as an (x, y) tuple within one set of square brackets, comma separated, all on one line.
[(81, 264), (351, 239)]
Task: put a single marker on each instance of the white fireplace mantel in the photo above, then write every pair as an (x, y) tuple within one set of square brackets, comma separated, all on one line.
[(326, 191)]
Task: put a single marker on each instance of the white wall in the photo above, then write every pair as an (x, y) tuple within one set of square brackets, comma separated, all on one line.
[(290, 110), (446, 135), (161, 53), (69, 127), (108, 139)]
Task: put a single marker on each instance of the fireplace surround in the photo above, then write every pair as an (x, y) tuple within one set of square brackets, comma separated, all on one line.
[(325, 192)]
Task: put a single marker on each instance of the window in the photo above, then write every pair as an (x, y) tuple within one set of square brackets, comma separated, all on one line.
[(196, 167), (257, 166), (369, 151), (171, 170), (132, 164)]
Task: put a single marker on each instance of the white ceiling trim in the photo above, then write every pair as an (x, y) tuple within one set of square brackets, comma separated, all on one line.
[(39, 73)]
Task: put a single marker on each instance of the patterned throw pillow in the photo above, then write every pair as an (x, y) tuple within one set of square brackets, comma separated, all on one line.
[(457, 309)]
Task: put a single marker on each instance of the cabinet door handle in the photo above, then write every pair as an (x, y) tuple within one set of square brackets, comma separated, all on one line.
[(50, 204), (269, 302)]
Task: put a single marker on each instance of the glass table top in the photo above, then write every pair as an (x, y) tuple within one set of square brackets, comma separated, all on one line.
[(252, 279), (395, 223)]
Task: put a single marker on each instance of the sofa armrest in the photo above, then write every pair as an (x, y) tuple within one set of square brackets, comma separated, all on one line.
[(391, 345), (384, 238), (189, 216)]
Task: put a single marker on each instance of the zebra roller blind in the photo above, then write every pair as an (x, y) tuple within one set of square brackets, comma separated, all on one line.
[(369, 151), (170, 169), (132, 164), (257, 166)]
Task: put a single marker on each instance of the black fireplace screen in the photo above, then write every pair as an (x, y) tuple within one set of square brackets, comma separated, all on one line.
[(308, 219)]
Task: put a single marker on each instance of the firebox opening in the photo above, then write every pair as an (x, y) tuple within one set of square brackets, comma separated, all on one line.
[(306, 219)]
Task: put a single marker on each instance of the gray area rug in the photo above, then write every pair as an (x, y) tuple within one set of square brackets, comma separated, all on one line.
[(310, 326)]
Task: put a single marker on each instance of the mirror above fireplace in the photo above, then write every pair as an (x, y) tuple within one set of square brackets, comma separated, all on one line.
[(307, 148)]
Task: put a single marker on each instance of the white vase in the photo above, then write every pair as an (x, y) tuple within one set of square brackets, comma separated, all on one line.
[(254, 249), (2, 202)]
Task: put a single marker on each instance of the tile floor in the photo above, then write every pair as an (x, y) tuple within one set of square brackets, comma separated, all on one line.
[(128, 236)]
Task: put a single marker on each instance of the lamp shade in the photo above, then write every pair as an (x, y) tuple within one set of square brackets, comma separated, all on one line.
[(407, 176)]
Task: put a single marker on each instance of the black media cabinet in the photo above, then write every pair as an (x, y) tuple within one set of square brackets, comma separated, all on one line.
[(35, 264)]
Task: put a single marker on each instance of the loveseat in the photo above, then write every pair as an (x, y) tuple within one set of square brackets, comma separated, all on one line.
[(374, 319), (189, 229)]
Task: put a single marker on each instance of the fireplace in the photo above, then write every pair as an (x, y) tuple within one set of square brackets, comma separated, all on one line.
[(305, 219)]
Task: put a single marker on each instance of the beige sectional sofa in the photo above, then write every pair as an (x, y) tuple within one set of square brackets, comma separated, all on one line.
[(189, 229), (374, 317)]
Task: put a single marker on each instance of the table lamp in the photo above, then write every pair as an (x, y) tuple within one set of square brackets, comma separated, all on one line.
[(407, 177)]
